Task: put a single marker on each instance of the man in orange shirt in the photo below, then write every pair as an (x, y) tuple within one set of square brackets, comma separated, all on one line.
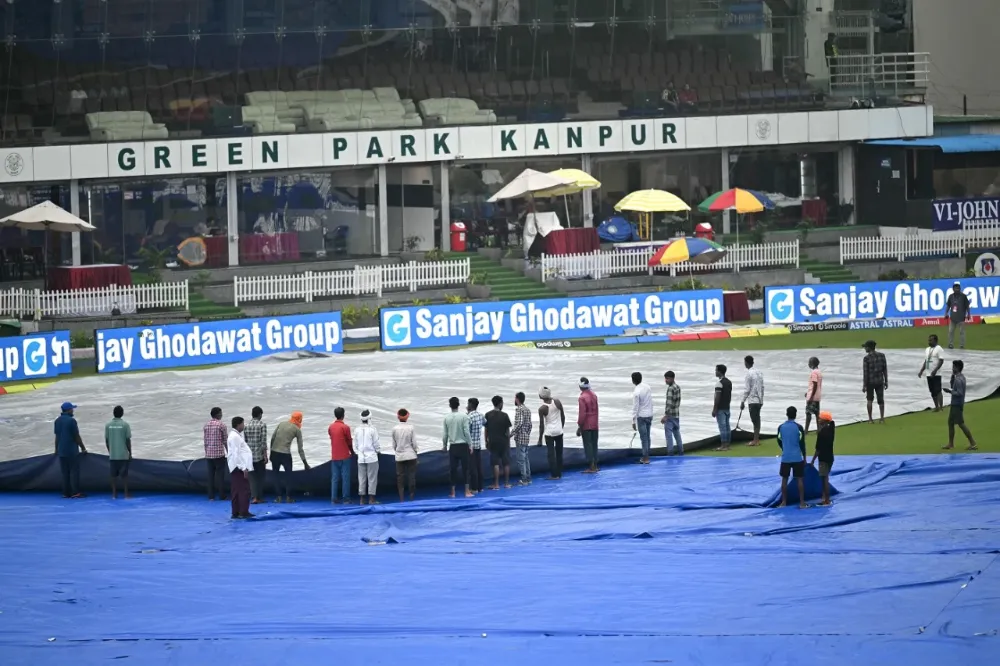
[(341, 450)]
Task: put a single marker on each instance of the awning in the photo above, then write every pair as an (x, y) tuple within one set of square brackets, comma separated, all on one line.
[(967, 143)]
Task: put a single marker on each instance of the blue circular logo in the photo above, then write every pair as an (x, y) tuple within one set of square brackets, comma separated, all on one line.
[(780, 306), (396, 326), (34, 354)]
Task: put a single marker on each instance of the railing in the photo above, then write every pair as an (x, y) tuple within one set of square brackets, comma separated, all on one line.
[(597, 265), (362, 280), (873, 74), (974, 237), (94, 302), (899, 248)]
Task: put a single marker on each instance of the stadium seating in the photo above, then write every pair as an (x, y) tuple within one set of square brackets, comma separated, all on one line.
[(375, 88), (124, 126)]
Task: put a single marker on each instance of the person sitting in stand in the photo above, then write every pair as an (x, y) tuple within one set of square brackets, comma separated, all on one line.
[(688, 99), (670, 99)]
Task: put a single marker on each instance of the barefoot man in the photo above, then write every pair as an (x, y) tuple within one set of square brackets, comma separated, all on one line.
[(956, 416)]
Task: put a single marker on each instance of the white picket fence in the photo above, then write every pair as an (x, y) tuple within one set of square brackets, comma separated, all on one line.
[(598, 264), (900, 248), (978, 237), (362, 280), (94, 302)]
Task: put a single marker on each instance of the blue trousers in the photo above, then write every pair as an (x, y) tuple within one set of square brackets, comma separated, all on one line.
[(725, 433), (644, 424), (340, 479), (672, 428)]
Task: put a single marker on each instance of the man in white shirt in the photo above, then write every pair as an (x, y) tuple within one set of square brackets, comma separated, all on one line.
[(642, 413), (931, 366), (367, 447), (753, 394), (240, 459)]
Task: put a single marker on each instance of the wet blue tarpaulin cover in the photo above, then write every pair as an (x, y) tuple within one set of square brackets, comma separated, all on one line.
[(678, 562)]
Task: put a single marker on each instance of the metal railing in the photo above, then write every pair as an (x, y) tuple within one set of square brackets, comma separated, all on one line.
[(900, 248), (100, 302), (362, 280), (598, 264), (880, 73)]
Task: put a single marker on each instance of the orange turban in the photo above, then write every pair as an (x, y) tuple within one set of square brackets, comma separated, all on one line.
[(826, 416), (296, 418)]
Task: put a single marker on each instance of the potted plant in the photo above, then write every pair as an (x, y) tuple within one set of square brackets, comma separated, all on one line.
[(476, 288)]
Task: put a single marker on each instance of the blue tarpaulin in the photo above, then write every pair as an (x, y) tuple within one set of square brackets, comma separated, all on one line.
[(678, 562)]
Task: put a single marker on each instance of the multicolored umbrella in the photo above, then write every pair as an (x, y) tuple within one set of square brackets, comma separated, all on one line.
[(694, 250), (742, 201)]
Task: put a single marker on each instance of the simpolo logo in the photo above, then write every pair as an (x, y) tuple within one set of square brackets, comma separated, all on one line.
[(36, 360), (397, 328), (553, 344), (780, 306)]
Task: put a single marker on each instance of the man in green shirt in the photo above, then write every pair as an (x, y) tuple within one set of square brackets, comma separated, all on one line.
[(456, 438), (118, 439)]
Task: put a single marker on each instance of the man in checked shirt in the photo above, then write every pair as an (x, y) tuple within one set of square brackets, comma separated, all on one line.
[(216, 434), (476, 423), (522, 436), (876, 379), (255, 434)]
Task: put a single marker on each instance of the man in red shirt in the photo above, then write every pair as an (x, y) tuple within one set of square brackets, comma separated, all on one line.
[(587, 424), (341, 450)]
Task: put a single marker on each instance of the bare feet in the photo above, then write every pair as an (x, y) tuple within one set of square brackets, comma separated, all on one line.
[(782, 505), (507, 486), (803, 505), (470, 494), (494, 488), (826, 503), (947, 447), (451, 495)]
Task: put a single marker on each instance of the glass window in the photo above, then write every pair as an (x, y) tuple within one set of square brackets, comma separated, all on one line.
[(304, 216), (144, 221)]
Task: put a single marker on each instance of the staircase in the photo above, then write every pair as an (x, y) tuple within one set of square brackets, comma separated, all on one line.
[(202, 309), (818, 272), (505, 284)]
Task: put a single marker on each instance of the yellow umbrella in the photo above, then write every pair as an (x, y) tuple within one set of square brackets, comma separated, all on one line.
[(646, 202), (652, 201), (581, 181)]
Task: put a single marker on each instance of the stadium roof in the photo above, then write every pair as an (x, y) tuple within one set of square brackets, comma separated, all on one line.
[(966, 143)]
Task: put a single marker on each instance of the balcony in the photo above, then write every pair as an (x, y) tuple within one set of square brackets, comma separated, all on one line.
[(880, 74)]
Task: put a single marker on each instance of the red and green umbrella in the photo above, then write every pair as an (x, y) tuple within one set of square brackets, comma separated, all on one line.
[(742, 201)]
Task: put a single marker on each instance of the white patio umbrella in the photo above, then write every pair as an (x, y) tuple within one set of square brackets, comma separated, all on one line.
[(46, 216), (529, 182)]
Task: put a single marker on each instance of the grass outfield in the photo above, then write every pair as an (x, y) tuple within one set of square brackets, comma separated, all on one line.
[(908, 434)]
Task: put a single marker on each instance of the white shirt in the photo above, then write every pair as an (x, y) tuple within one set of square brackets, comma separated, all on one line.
[(753, 387), (931, 357), (642, 401), (238, 455), (366, 443)]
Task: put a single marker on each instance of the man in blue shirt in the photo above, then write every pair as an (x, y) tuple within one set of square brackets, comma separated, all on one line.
[(792, 440), (68, 445)]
